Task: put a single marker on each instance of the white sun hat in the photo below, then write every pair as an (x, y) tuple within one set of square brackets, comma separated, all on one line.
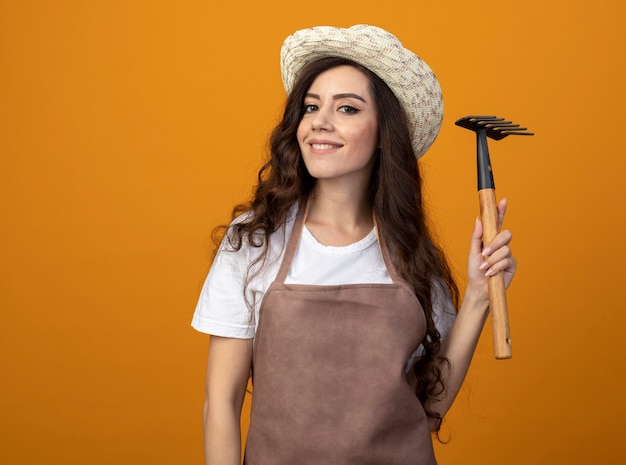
[(407, 75)]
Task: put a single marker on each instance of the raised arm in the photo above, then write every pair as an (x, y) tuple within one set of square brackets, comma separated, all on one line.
[(227, 378), (461, 342)]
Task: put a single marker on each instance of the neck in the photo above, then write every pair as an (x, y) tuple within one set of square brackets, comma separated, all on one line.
[(338, 217)]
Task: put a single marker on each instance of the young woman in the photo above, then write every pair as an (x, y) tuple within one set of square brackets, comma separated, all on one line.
[(328, 287)]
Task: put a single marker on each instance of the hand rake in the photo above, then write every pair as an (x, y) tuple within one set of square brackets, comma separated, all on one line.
[(495, 128)]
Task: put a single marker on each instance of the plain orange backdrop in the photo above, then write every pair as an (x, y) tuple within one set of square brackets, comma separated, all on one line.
[(128, 130)]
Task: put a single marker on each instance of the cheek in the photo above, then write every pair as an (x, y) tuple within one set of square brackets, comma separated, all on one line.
[(300, 135), (370, 137), (300, 132)]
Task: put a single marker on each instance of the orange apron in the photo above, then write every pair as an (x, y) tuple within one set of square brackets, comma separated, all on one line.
[(329, 373)]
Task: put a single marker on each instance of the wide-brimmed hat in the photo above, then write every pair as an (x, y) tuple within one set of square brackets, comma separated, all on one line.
[(407, 75)]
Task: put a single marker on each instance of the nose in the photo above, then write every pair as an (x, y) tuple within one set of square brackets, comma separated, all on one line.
[(321, 120)]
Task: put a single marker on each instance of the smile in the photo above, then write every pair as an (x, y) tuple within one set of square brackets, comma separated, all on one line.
[(324, 146)]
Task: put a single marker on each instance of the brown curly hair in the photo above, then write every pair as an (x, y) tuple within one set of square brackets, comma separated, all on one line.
[(395, 196)]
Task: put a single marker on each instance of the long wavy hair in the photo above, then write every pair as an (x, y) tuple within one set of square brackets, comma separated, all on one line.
[(395, 196)]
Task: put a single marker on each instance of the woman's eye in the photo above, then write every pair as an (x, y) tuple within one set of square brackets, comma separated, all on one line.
[(348, 109), (310, 108)]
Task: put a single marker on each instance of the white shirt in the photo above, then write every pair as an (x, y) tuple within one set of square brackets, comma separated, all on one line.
[(224, 310)]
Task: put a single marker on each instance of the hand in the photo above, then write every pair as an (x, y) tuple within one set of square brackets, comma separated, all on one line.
[(493, 258)]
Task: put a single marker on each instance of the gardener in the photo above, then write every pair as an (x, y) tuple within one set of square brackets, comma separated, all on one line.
[(329, 286)]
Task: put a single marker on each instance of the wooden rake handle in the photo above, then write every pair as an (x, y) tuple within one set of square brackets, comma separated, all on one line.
[(497, 290), (495, 128)]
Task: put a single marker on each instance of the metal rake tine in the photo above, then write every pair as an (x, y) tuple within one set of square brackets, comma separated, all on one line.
[(498, 123), (484, 122), (504, 130), (518, 132), (475, 122), (502, 126), (508, 129)]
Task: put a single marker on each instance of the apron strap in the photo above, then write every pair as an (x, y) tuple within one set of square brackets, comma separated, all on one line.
[(384, 250), (292, 244)]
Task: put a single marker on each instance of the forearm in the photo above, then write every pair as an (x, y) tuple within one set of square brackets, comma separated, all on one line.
[(222, 435), (227, 378), (484, 260), (459, 348)]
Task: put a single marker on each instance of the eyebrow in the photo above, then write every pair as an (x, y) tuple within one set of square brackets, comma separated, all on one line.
[(339, 96)]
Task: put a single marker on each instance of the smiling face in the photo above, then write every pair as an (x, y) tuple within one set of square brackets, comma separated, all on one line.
[(338, 133)]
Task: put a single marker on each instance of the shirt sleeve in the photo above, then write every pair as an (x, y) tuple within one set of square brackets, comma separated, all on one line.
[(222, 309)]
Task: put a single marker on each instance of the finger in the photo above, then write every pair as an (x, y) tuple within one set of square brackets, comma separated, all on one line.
[(499, 260), (498, 255), (506, 265), (502, 239), (501, 211)]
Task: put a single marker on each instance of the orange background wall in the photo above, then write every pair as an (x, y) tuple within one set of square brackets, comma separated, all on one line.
[(128, 129)]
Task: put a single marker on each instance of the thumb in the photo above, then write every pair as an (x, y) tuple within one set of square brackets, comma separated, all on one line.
[(476, 244)]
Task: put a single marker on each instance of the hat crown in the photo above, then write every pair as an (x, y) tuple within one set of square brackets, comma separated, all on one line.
[(407, 75)]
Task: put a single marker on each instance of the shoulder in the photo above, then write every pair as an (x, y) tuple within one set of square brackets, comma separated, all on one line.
[(240, 249), (238, 230)]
